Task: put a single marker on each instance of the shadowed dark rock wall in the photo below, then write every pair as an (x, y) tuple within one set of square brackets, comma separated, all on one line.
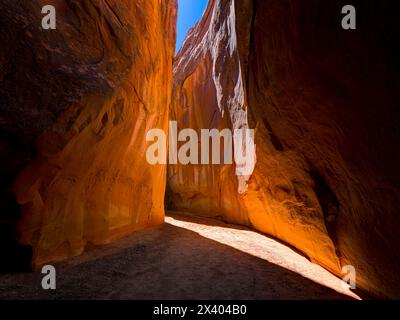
[(76, 104), (324, 104)]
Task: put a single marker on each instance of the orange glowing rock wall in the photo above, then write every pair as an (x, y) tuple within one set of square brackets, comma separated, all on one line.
[(323, 103), (87, 94)]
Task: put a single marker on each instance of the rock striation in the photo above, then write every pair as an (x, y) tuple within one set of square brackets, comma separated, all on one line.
[(76, 104), (322, 101)]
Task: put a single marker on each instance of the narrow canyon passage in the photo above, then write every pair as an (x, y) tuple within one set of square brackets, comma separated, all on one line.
[(79, 102), (187, 258)]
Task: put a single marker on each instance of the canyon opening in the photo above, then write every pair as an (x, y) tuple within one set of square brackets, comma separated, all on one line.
[(233, 151)]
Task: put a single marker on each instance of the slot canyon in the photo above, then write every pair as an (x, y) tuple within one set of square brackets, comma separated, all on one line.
[(77, 102)]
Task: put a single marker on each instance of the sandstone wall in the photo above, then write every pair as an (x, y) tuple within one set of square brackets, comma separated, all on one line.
[(76, 104), (323, 103)]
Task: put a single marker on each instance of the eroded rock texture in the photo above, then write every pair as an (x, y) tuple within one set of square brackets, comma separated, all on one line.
[(324, 104), (76, 104)]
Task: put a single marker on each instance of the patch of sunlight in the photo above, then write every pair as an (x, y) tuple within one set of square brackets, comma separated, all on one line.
[(264, 248)]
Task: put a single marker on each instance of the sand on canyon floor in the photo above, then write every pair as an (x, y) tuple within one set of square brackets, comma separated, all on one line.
[(186, 258)]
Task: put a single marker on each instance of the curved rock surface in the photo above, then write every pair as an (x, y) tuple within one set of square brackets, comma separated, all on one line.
[(86, 95), (323, 103), (76, 104)]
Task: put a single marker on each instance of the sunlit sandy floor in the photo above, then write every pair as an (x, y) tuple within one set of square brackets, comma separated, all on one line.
[(263, 247), (187, 258)]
